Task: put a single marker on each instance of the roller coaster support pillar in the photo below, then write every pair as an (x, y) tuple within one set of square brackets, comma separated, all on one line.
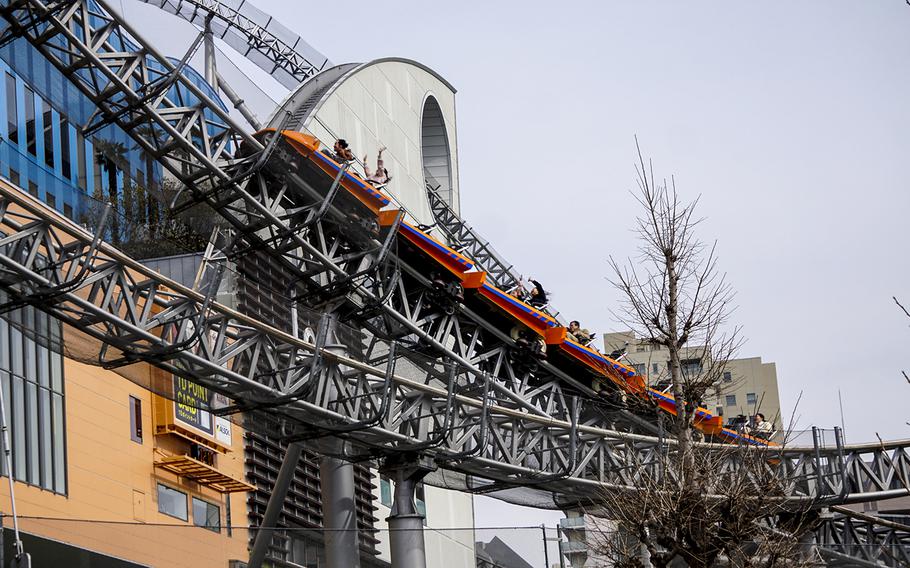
[(406, 542), (339, 520), (211, 73), (810, 552), (276, 501)]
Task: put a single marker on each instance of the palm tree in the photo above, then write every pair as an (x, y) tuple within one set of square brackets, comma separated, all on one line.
[(109, 155), (148, 195)]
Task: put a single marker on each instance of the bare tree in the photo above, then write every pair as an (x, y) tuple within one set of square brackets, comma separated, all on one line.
[(729, 512), (675, 296), (698, 504), (906, 313)]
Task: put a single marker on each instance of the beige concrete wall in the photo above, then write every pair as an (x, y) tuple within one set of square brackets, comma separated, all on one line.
[(112, 479), (752, 376), (379, 105), (747, 375)]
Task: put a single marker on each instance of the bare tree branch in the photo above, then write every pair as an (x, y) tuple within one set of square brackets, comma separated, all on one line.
[(895, 297), (674, 295)]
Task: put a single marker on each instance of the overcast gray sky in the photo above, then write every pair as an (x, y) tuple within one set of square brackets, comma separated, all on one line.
[(790, 119)]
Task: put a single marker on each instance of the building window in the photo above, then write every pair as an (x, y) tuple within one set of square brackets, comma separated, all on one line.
[(32, 188), (691, 367), (12, 113), (421, 501), (751, 399), (640, 349), (80, 161), (306, 553), (14, 176), (96, 168), (51, 199), (385, 496), (68, 210), (655, 368), (135, 419), (640, 369), (731, 400), (65, 148), (31, 142), (206, 515), (47, 116), (385, 491), (728, 377), (31, 369), (172, 502)]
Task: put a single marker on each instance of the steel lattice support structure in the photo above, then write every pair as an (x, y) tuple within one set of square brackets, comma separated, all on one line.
[(195, 143), (498, 270), (847, 540), (456, 391), (281, 53), (138, 315)]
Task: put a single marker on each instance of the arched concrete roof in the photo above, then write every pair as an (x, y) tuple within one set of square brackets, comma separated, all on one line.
[(376, 104)]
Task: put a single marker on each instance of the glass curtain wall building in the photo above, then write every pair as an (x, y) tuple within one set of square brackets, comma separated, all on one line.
[(45, 153)]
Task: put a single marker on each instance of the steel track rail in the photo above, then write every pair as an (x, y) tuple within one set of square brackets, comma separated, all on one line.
[(254, 34), (196, 144), (141, 315)]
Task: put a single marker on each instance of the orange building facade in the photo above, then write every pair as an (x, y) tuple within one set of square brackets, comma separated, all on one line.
[(110, 474)]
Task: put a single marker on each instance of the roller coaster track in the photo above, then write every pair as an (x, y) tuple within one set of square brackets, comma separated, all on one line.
[(475, 246), (855, 539), (254, 34), (138, 315), (475, 412)]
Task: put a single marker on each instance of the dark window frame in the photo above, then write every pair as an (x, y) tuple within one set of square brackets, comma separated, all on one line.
[(186, 512), (66, 166), (47, 129), (205, 525), (31, 133), (31, 375), (12, 110), (384, 482), (135, 419)]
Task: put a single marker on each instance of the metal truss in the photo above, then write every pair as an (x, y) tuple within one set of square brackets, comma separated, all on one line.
[(134, 87), (410, 404), (478, 249), (264, 209), (861, 540), (255, 35), (457, 389)]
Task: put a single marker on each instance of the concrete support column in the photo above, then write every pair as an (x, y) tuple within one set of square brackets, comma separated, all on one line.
[(406, 540), (339, 513)]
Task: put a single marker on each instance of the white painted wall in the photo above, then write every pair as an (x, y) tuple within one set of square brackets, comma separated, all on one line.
[(446, 509), (381, 104)]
